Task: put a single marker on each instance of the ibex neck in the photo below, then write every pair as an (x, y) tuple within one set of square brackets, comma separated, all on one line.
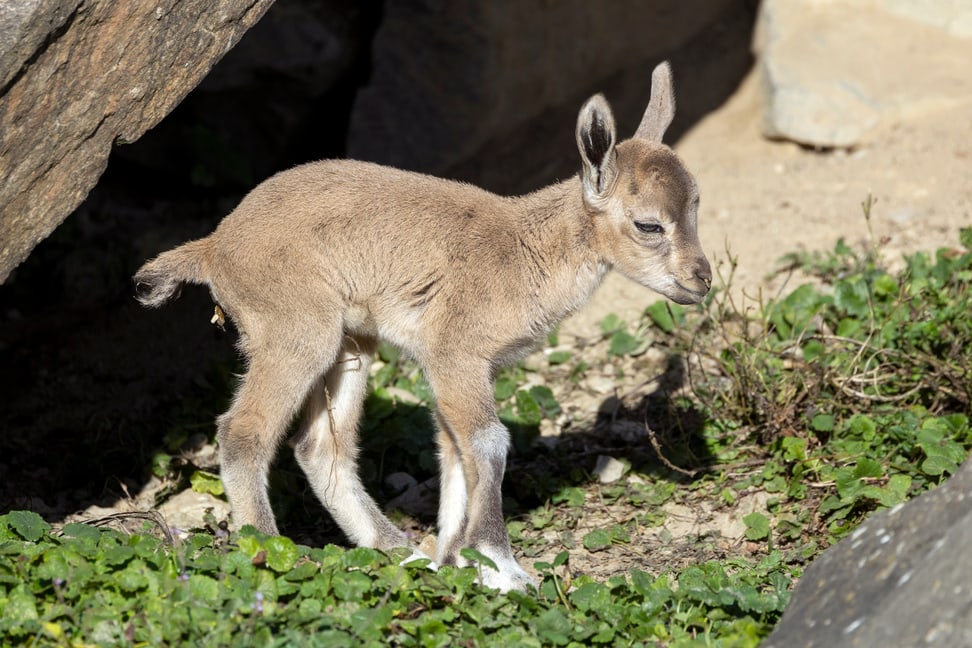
[(558, 242)]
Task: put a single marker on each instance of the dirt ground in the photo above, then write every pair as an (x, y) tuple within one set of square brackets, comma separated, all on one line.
[(762, 199)]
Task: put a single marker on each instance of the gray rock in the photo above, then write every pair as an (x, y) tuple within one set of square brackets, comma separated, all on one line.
[(903, 578), (608, 469), (76, 78), (399, 482), (450, 75), (187, 510), (419, 499), (833, 72), (954, 16), (24, 24)]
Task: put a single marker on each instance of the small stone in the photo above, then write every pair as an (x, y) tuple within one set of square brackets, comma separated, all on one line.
[(427, 545), (534, 362), (608, 469), (187, 510), (420, 499), (399, 482), (549, 429), (730, 523), (600, 384), (403, 396)]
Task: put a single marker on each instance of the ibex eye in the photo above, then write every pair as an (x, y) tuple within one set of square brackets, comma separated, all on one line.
[(649, 228)]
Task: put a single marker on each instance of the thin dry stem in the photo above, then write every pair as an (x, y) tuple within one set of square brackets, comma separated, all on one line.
[(653, 439)]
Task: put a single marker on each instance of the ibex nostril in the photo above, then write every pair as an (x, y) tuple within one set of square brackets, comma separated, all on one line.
[(704, 272)]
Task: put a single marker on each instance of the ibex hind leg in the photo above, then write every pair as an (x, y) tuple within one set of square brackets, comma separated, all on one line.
[(249, 433), (327, 449)]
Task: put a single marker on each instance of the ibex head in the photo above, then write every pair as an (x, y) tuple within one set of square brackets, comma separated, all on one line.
[(643, 201)]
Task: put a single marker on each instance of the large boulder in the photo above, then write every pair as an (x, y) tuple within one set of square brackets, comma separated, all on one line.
[(834, 71), (76, 77), (448, 76), (903, 578)]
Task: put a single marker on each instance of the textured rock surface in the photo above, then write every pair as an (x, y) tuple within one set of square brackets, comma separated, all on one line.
[(77, 77), (954, 16), (903, 578), (833, 71), (448, 75), (187, 510)]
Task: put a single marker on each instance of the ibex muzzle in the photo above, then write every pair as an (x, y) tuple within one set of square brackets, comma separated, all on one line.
[(320, 262)]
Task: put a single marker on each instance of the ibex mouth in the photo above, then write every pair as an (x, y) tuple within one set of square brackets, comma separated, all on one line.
[(686, 296)]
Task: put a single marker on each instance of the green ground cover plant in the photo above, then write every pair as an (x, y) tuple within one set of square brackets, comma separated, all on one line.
[(90, 586), (858, 388), (844, 395)]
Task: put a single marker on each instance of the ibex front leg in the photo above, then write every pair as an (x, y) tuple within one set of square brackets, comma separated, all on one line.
[(473, 447)]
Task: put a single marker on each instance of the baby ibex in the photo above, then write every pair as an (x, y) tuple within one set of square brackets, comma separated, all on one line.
[(320, 262)]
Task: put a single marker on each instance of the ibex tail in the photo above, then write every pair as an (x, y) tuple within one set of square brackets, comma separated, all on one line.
[(161, 279)]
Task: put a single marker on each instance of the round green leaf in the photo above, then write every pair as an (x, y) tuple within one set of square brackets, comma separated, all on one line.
[(281, 553), (204, 482), (29, 525), (757, 526), (597, 540)]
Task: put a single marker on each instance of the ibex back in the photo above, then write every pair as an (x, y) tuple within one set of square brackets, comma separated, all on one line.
[(320, 262)]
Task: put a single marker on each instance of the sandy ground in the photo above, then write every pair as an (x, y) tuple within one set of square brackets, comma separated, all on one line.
[(762, 199)]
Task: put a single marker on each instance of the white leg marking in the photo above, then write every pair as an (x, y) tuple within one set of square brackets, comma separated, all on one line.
[(452, 505), (493, 441), (508, 575)]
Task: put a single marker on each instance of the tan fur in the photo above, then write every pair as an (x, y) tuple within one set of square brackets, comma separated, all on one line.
[(319, 262)]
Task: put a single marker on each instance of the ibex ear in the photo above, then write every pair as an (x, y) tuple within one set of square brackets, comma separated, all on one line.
[(595, 140), (661, 107)]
